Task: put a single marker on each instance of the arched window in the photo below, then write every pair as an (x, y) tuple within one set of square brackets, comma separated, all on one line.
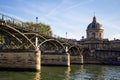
[(100, 35), (93, 35), (88, 35)]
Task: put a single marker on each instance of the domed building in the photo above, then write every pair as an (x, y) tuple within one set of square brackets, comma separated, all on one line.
[(96, 48), (94, 30), (94, 36)]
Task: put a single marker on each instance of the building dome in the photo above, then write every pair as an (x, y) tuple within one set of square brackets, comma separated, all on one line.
[(94, 30), (94, 24)]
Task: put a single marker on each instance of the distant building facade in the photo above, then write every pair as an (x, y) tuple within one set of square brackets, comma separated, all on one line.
[(94, 38), (96, 46)]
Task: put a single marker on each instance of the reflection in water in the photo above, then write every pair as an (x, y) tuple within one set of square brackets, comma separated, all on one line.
[(67, 73), (93, 72), (77, 72), (111, 73), (8, 75), (74, 72), (55, 73), (37, 76)]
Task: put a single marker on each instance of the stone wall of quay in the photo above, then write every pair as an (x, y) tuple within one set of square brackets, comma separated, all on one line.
[(76, 59), (55, 59), (18, 60), (92, 60)]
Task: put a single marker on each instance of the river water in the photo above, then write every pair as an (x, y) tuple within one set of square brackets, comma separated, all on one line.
[(75, 72)]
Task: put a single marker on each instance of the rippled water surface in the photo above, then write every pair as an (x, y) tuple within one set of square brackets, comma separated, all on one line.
[(75, 72)]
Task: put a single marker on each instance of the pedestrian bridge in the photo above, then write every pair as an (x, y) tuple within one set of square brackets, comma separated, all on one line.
[(17, 37)]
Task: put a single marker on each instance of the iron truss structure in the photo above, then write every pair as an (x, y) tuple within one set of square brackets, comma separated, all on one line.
[(16, 35)]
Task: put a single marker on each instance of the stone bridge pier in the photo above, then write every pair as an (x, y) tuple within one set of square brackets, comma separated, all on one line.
[(55, 59), (20, 60), (54, 54), (38, 59), (76, 56), (76, 59)]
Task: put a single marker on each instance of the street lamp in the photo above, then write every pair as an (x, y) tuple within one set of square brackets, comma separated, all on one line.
[(66, 44), (36, 38), (36, 20), (66, 35), (36, 24)]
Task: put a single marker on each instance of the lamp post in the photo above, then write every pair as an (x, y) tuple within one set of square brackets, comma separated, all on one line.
[(66, 35), (36, 20), (36, 24), (36, 38), (38, 52), (66, 44)]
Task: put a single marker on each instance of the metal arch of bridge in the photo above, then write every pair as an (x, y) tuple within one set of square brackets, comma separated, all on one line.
[(29, 36), (14, 29), (48, 40), (86, 50), (12, 35), (76, 50), (45, 40), (35, 35), (72, 48), (25, 35)]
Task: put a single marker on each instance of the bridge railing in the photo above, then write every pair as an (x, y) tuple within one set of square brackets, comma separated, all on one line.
[(71, 41), (23, 24), (12, 20)]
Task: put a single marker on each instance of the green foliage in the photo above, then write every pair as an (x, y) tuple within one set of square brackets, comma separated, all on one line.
[(40, 27)]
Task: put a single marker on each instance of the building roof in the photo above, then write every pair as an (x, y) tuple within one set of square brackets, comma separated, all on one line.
[(94, 24)]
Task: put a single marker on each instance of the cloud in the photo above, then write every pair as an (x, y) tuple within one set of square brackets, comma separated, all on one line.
[(9, 10), (62, 20), (66, 5), (78, 4), (7, 7), (55, 10)]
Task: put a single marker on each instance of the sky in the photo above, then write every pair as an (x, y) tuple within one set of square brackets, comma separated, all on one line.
[(71, 16)]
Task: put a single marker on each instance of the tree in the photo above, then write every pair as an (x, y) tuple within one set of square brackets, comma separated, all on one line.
[(40, 27)]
